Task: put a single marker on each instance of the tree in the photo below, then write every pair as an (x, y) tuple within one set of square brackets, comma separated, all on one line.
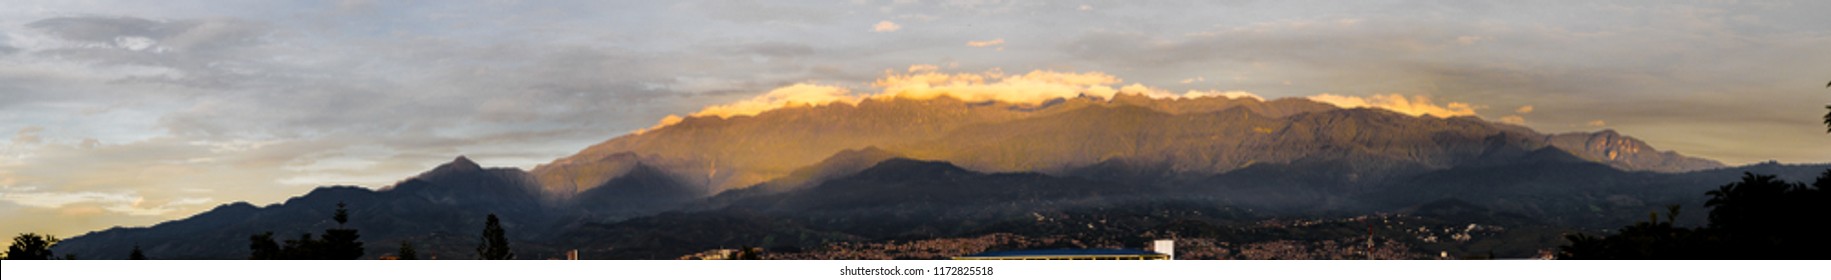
[(495, 241), (338, 243), (32, 246), (1759, 217), (262, 247), (136, 254), (304, 248), (341, 243), (407, 252)]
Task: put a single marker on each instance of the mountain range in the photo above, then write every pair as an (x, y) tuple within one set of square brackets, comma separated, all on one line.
[(885, 169)]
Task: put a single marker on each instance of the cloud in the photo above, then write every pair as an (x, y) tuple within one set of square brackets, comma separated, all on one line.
[(1031, 88), (28, 135), (671, 119), (123, 202), (922, 82), (1416, 106), (794, 95), (986, 43), (1513, 120), (750, 13), (886, 26), (1193, 80), (923, 68), (1469, 40), (1085, 7), (1597, 123), (1227, 94), (1524, 109)]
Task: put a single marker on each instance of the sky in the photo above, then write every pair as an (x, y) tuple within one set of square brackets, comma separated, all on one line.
[(128, 113)]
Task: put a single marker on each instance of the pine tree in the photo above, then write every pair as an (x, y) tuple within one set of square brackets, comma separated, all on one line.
[(341, 243), (136, 254), (495, 241)]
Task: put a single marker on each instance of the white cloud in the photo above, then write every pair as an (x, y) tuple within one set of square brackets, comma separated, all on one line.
[(1416, 105), (122, 202), (886, 26), (135, 43)]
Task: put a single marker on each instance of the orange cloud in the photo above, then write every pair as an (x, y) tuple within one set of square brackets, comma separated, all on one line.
[(1524, 109), (923, 68), (1415, 106), (987, 43), (671, 119), (794, 95), (1228, 94), (886, 26), (1513, 120), (1031, 88), (921, 82)]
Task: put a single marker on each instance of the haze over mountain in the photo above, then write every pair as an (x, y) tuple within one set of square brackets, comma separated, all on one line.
[(926, 162)]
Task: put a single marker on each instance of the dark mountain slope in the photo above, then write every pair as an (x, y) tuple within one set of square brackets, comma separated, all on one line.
[(436, 209)]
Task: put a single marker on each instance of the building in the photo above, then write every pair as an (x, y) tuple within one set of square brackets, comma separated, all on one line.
[(1161, 250)]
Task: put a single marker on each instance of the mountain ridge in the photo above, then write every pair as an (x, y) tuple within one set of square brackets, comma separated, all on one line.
[(806, 169), (741, 151)]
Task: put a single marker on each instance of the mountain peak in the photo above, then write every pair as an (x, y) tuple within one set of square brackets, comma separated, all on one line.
[(461, 163), (1625, 152), (456, 166), (897, 169)]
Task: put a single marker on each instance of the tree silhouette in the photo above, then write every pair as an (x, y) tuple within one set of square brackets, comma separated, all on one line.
[(1759, 217), (341, 243), (303, 248), (338, 243), (406, 252), (262, 247), (495, 241), (136, 254), (31, 246)]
